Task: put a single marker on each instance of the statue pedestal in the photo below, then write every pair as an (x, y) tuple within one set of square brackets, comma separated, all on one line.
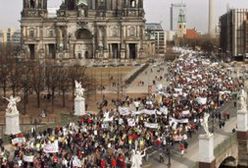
[(206, 150), (242, 121), (79, 106), (12, 125)]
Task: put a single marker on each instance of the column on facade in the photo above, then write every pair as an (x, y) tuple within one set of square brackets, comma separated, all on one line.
[(123, 53), (65, 37), (121, 35), (110, 50), (93, 47), (46, 50), (93, 4), (119, 50), (58, 36), (138, 50), (127, 51), (97, 41), (99, 37), (105, 38)]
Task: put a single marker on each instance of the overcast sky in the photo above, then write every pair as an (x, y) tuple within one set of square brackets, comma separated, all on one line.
[(156, 11)]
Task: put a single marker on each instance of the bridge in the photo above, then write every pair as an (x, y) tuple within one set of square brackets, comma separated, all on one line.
[(230, 149), (226, 153)]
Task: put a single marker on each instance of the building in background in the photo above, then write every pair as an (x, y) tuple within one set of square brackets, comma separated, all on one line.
[(10, 37), (181, 24), (83, 29), (157, 33), (174, 13), (212, 19), (233, 32), (192, 34)]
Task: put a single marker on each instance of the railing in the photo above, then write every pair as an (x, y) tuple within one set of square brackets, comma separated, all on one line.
[(225, 145)]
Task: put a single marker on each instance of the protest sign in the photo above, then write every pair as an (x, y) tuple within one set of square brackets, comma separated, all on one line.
[(131, 122), (151, 125), (124, 111), (18, 140), (29, 159), (51, 148)]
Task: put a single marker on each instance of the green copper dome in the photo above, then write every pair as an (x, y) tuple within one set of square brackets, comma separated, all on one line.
[(181, 17)]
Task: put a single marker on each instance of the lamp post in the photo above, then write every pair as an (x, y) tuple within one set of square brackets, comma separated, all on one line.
[(168, 143)]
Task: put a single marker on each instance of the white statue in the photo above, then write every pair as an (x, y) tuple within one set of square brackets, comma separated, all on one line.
[(242, 100), (205, 123), (136, 159), (11, 108), (79, 91)]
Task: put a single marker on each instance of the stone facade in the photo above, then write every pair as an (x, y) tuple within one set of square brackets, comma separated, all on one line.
[(243, 148), (84, 29), (207, 165)]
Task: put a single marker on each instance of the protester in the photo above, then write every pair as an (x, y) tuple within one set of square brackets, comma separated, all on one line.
[(168, 116)]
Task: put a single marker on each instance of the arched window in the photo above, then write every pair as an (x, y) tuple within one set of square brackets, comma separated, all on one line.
[(86, 54), (83, 34), (32, 3), (132, 3)]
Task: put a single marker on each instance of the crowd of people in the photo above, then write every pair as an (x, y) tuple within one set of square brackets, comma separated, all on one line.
[(167, 117)]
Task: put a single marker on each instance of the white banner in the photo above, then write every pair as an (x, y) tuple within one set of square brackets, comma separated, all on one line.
[(151, 125), (181, 121), (51, 148), (28, 158), (18, 140), (149, 112), (124, 111), (137, 112), (201, 100)]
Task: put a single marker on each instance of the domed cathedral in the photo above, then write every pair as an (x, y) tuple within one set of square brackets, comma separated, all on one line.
[(83, 29)]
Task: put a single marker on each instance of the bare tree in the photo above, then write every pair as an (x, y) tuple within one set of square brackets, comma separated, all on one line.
[(64, 82), (52, 80), (37, 78), (4, 75), (25, 82), (14, 76)]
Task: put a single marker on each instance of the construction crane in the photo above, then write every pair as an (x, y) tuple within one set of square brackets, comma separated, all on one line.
[(175, 5)]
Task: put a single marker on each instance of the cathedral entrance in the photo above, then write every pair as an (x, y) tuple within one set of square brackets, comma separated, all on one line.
[(51, 51), (115, 51), (84, 45), (132, 51), (32, 51)]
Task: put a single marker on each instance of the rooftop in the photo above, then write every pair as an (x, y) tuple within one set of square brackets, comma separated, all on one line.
[(154, 26)]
